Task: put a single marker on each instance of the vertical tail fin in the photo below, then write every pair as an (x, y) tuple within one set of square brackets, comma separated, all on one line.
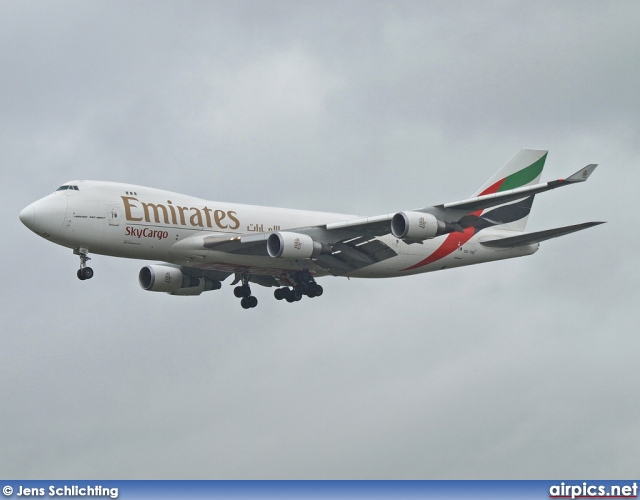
[(523, 169)]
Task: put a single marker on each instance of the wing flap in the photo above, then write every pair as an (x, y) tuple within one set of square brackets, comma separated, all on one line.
[(354, 254), (537, 237)]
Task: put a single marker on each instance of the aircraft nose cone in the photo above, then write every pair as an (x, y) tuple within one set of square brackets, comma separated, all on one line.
[(28, 216), (46, 216)]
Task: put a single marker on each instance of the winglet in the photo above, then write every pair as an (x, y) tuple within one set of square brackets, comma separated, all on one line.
[(582, 174)]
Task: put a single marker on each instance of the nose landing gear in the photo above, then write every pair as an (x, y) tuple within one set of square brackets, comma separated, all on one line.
[(84, 273)]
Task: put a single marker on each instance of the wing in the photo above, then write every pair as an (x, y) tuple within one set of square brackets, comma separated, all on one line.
[(343, 253), (456, 212), (356, 243)]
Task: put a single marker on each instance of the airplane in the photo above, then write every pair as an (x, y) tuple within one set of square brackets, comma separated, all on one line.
[(200, 243)]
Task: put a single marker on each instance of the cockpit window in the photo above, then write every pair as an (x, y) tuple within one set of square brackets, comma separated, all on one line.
[(62, 188)]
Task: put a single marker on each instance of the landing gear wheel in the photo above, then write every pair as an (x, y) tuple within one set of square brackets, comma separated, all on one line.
[(85, 273), (249, 302), (242, 291), (278, 293)]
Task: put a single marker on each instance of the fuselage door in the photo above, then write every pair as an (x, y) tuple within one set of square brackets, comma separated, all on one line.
[(112, 215)]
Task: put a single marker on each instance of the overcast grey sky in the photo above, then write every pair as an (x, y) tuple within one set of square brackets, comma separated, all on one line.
[(518, 369)]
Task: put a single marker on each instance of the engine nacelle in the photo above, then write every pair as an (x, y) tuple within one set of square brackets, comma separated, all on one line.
[(168, 279), (160, 278), (416, 226), (284, 245)]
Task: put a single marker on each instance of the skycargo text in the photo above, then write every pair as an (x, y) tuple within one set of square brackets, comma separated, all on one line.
[(146, 233)]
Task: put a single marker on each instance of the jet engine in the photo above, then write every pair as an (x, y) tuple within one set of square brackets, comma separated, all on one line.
[(168, 279), (416, 226), (284, 245)]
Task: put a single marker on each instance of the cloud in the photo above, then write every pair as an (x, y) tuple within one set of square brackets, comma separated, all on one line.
[(514, 369)]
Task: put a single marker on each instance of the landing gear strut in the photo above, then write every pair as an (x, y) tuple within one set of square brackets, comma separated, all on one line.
[(244, 292), (84, 273), (304, 285)]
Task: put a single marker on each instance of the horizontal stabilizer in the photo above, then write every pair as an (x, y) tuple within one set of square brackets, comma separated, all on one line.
[(537, 237)]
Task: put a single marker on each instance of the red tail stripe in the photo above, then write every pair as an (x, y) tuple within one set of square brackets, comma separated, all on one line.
[(494, 188), (450, 244)]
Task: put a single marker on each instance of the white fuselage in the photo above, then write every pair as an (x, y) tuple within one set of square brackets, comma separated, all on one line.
[(138, 222)]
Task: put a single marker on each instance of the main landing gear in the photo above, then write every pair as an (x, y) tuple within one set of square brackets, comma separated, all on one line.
[(84, 273), (305, 285), (244, 292)]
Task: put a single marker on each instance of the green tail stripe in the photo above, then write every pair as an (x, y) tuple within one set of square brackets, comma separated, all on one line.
[(524, 176)]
